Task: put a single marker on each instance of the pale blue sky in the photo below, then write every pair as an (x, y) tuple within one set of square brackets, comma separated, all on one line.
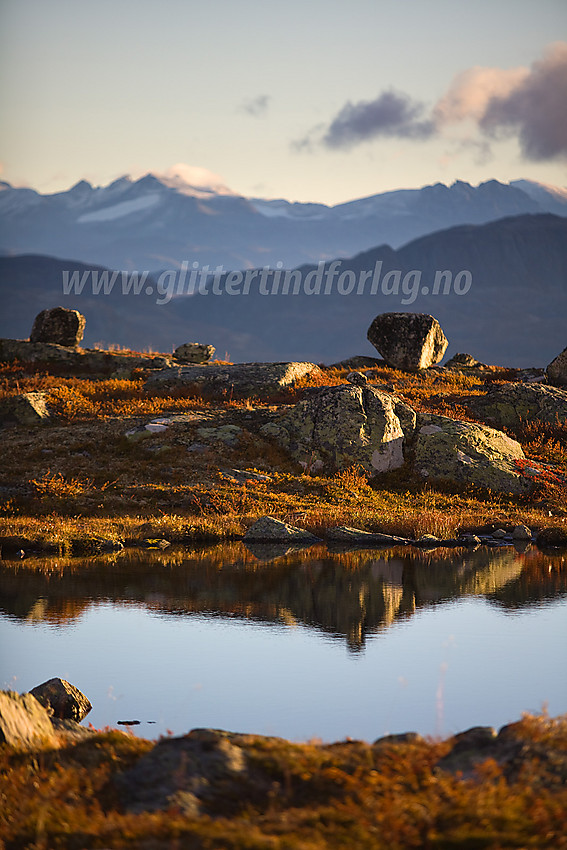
[(99, 89)]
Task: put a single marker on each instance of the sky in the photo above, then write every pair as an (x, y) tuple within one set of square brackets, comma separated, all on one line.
[(309, 100)]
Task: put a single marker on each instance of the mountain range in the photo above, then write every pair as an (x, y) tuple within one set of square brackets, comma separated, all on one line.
[(157, 222), (509, 308)]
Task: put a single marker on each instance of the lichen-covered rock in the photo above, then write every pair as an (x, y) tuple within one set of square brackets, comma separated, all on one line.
[(343, 426), (269, 529), (194, 352), (239, 379), (557, 370), (23, 721), (408, 341), (62, 699), (510, 405), (24, 409), (467, 453), (60, 326)]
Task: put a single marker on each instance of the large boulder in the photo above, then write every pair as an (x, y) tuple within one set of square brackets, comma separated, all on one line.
[(511, 405), (338, 427), (60, 326), (467, 453), (24, 409), (23, 721), (239, 379), (194, 352), (408, 341), (557, 370), (62, 699)]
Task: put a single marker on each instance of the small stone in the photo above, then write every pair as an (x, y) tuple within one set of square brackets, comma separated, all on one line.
[(194, 352), (463, 359), (522, 532), (357, 378), (470, 540), (402, 738), (427, 540), (499, 534)]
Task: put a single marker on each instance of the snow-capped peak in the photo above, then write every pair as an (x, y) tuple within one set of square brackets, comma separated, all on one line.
[(538, 191), (194, 181)]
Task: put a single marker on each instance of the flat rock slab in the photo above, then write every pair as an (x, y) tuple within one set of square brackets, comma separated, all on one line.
[(89, 359), (270, 530), (23, 721), (241, 379), (345, 534)]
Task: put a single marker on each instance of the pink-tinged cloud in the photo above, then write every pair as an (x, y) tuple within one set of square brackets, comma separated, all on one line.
[(535, 109), (530, 103), (472, 90)]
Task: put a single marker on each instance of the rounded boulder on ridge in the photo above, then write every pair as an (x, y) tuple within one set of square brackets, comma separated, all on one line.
[(60, 326), (408, 341)]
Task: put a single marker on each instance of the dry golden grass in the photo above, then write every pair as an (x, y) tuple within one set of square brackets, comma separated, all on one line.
[(344, 795), (81, 475)]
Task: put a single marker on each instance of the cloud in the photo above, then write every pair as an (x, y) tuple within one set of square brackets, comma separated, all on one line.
[(472, 90), (536, 109), (256, 106), (529, 103), (390, 114)]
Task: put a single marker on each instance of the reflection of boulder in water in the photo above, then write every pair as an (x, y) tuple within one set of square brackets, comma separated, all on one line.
[(273, 551), (543, 578), (479, 572)]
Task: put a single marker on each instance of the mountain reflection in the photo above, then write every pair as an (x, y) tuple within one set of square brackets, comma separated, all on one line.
[(344, 594)]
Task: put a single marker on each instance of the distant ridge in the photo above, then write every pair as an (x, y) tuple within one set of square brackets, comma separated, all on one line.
[(513, 313)]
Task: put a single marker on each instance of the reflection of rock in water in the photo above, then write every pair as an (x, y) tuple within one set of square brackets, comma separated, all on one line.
[(476, 573), (346, 595)]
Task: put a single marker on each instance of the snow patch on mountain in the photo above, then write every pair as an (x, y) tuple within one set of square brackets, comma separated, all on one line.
[(119, 210)]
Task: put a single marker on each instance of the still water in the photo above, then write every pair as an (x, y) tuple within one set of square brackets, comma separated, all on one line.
[(311, 644)]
